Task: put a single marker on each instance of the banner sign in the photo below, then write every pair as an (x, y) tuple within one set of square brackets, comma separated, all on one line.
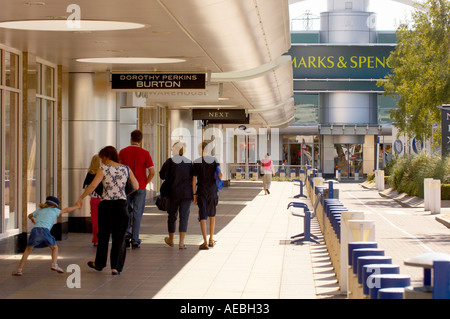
[(158, 81), (340, 62), (214, 116), (445, 124)]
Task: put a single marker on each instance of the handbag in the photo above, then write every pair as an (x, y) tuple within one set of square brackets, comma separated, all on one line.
[(163, 203), (163, 200), (129, 188)]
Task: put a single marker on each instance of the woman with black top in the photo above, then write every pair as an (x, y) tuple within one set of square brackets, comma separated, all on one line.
[(113, 213), (177, 175)]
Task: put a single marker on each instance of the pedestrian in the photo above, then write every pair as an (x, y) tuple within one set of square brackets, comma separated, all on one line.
[(141, 163), (44, 218), (96, 195), (112, 210), (268, 171), (205, 193), (177, 171)]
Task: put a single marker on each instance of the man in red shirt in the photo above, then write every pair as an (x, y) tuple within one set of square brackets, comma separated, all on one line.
[(140, 162)]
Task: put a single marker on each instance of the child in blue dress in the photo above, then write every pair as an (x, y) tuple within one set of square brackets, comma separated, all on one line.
[(44, 218)]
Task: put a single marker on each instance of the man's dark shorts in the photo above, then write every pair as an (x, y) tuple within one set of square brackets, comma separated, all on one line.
[(207, 206)]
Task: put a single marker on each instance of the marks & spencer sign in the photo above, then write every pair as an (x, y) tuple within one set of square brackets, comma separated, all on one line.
[(158, 81), (337, 62)]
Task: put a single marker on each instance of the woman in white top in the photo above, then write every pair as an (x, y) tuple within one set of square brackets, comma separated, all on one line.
[(112, 210)]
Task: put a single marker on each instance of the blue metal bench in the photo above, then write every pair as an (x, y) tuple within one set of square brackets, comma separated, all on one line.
[(307, 236)]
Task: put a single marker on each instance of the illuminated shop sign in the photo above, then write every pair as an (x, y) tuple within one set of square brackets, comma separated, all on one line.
[(338, 62), (158, 81)]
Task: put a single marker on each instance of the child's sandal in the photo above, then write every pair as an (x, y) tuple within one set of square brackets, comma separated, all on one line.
[(17, 272)]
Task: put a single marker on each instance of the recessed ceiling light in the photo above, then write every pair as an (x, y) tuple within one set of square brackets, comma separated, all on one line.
[(130, 60), (69, 25), (34, 3)]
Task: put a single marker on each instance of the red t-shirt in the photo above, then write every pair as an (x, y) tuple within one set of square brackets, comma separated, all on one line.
[(138, 159)]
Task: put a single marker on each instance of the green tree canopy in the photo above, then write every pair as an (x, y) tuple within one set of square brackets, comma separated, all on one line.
[(420, 78)]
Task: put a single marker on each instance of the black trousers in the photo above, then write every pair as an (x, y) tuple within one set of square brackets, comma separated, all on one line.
[(112, 221)]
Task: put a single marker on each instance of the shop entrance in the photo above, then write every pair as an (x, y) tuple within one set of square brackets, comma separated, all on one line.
[(348, 158)]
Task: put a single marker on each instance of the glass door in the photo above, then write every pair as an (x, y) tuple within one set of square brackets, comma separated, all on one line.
[(348, 158)]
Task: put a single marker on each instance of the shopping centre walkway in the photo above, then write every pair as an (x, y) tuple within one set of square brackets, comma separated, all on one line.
[(252, 259)]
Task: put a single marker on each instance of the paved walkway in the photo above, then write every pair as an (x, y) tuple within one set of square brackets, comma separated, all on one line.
[(253, 257)]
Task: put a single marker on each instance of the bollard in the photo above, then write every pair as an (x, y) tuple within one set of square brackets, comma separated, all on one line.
[(351, 247), (338, 174), (356, 174), (353, 276), (363, 286), (238, 173), (319, 173), (388, 281), (345, 217), (379, 180), (293, 173), (426, 193), (441, 281), (436, 196), (255, 174), (377, 269), (391, 293), (282, 174)]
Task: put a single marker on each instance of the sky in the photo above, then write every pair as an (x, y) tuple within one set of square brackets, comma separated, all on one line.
[(389, 13)]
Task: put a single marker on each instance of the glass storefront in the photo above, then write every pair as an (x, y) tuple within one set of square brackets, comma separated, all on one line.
[(348, 159), (10, 95)]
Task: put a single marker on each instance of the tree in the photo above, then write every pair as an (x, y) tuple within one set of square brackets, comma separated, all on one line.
[(420, 78)]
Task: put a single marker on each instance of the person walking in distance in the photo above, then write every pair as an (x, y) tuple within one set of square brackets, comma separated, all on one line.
[(205, 191), (268, 171), (141, 163), (177, 171)]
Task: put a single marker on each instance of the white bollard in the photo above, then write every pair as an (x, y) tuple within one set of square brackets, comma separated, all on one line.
[(436, 197), (427, 193), (379, 180), (356, 174), (345, 218)]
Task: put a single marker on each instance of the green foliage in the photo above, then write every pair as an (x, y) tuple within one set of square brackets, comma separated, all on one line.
[(420, 78), (408, 172), (445, 192)]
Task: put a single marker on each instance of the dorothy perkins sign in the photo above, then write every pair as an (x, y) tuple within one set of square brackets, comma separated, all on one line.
[(340, 61), (158, 81)]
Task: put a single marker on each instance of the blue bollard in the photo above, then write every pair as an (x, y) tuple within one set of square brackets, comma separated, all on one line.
[(364, 252), (391, 293), (376, 269), (388, 281), (441, 282), (359, 245)]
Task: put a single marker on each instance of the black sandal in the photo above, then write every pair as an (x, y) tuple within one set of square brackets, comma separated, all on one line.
[(92, 265)]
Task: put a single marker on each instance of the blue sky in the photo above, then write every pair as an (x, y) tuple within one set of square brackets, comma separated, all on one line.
[(389, 13)]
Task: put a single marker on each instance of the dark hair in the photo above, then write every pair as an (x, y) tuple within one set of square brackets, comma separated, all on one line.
[(109, 152), (136, 136)]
